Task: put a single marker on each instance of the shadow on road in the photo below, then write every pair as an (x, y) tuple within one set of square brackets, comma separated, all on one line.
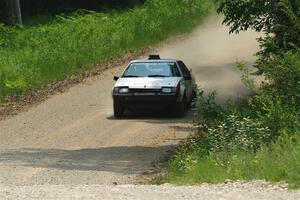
[(125, 160), (154, 115)]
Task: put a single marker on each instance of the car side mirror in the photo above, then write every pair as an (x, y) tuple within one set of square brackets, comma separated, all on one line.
[(188, 78), (116, 78)]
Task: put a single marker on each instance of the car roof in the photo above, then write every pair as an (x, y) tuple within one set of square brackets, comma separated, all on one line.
[(154, 60)]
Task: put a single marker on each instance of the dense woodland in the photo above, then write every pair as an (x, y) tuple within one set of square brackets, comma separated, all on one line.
[(31, 8)]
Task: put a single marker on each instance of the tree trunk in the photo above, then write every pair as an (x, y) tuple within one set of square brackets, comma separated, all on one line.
[(14, 12)]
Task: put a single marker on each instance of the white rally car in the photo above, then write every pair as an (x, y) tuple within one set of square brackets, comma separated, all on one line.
[(154, 82)]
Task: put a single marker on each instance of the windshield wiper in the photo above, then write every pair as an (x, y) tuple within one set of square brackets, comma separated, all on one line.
[(157, 76)]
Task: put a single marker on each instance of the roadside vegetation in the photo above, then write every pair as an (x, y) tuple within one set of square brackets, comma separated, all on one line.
[(259, 139), (34, 55)]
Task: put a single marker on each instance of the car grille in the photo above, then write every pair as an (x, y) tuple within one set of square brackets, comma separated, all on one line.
[(145, 91)]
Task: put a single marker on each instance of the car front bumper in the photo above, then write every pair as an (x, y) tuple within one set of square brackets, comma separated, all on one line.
[(136, 100)]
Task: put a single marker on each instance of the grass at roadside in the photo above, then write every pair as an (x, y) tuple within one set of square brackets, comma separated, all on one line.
[(33, 56), (280, 162)]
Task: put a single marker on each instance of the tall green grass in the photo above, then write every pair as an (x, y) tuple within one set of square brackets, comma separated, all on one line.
[(278, 162), (37, 55)]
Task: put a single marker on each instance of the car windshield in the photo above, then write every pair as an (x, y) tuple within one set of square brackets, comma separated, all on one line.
[(152, 69)]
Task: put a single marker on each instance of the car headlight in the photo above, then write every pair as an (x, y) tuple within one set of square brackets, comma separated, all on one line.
[(166, 90), (123, 90)]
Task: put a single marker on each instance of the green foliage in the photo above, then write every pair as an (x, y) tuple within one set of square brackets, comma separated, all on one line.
[(283, 71), (246, 73), (290, 24), (279, 19), (33, 56), (241, 15), (40, 8), (206, 109), (236, 133), (277, 116)]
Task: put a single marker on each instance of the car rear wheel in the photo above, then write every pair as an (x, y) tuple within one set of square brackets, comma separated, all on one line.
[(118, 110)]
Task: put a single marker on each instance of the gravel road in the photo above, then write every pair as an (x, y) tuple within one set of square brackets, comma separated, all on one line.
[(235, 191), (71, 147)]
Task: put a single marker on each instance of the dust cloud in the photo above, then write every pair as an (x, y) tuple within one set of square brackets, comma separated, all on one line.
[(212, 53)]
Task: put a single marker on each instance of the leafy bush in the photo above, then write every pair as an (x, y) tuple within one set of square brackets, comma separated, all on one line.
[(206, 109), (237, 133), (229, 128), (283, 73), (273, 113)]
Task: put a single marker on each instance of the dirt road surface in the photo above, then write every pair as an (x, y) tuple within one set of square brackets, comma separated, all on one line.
[(72, 140)]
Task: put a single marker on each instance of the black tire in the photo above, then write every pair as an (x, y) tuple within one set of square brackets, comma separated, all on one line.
[(193, 98), (194, 94), (181, 108), (118, 110)]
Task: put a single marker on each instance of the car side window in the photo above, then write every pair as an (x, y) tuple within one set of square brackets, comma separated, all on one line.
[(185, 71), (175, 70)]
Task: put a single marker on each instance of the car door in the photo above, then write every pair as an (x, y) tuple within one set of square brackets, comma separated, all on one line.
[(188, 79)]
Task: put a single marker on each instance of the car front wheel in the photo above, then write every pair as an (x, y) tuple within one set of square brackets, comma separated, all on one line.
[(181, 108), (193, 98), (118, 110)]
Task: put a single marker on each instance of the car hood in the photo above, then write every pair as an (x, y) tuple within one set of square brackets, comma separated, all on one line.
[(148, 82)]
